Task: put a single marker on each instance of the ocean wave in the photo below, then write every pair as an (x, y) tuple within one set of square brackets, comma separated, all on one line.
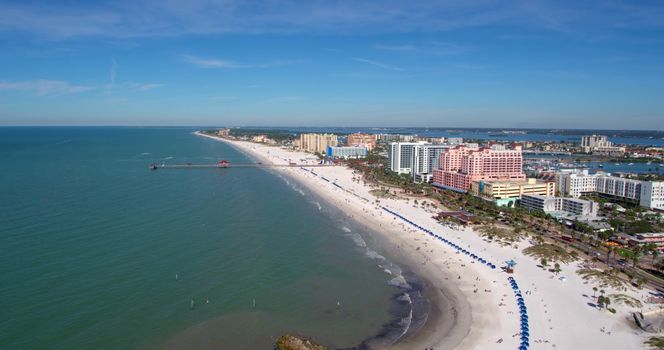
[(374, 255), (405, 297), (298, 190), (146, 153), (400, 282), (345, 229), (167, 158), (359, 241), (405, 323), (320, 207), (292, 185)]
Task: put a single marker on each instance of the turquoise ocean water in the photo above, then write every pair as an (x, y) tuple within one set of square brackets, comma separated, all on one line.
[(98, 252)]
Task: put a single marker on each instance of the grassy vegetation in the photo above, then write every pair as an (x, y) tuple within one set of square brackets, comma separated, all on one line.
[(281, 136), (605, 278), (655, 342), (551, 252), (504, 236), (626, 300), (383, 193)]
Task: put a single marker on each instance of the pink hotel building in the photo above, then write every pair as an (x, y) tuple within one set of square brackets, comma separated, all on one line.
[(460, 166)]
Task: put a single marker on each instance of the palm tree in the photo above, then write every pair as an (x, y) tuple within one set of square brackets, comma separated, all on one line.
[(556, 268), (609, 251), (636, 253), (652, 249), (594, 291)]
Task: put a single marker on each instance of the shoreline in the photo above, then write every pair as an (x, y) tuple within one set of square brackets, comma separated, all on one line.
[(473, 306), (449, 316)]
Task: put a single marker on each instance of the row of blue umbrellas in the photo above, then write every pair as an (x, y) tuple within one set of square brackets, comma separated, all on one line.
[(523, 314), (523, 311), (444, 240)]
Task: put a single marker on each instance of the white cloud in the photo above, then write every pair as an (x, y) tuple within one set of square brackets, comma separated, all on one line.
[(150, 18), (148, 86), (44, 87), (204, 62), (377, 64), (211, 62), (431, 47)]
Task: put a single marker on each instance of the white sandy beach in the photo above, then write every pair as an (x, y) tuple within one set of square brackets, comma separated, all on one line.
[(485, 315)]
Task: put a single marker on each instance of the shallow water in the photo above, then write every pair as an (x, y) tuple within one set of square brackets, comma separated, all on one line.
[(99, 252)]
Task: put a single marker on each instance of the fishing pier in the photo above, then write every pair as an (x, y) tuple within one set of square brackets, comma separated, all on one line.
[(225, 165)]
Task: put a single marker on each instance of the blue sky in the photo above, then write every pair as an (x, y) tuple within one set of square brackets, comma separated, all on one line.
[(509, 63)]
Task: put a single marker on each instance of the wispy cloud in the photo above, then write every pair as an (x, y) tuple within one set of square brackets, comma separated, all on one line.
[(133, 86), (431, 47), (377, 64), (204, 62), (147, 86), (212, 62), (397, 47), (44, 87), (284, 99), (151, 18)]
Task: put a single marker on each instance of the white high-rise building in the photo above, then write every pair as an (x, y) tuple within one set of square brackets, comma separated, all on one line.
[(600, 144), (619, 187), (426, 158), (400, 156), (652, 195), (575, 183), (595, 141)]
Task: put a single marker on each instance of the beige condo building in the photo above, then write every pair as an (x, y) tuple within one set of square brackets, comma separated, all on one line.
[(317, 143)]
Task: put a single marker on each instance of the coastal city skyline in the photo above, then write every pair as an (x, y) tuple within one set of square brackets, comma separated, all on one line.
[(332, 175), (516, 64)]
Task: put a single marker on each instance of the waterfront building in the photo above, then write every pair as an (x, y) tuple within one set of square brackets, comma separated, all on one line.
[(386, 138), (317, 143), (425, 158), (400, 156), (641, 239), (225, 132), (623, 188), (346, 152), (648, 194), (576, 182), (600, 145), (588, 142), (364, 140), (559, 206), (506, 193), (652, 195), (263, 139), (461, 165)]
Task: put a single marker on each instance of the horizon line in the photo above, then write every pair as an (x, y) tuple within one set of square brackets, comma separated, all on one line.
[(317, 126)]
